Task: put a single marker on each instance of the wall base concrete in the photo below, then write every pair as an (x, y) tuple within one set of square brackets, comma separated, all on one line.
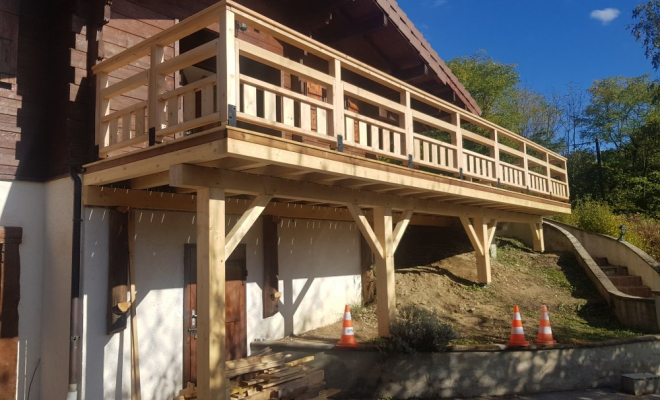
[(366, 372)]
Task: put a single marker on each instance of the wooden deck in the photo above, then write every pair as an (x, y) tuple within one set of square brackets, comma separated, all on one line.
[(336, 123), (230, 127)]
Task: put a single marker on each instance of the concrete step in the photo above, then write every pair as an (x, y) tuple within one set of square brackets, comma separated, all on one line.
[(626, 280), (640, 384), (639, 291), (611, 270), (601, 261)]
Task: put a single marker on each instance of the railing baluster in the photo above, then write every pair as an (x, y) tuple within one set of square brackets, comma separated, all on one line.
[(102, 109)]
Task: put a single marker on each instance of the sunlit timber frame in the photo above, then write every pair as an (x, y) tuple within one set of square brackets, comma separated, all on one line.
[(180, 149)]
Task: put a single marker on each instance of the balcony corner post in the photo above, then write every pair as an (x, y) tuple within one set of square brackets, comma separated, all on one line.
[(457, 140), (408, 122), (337, 93), (227, 69), (155, 107)]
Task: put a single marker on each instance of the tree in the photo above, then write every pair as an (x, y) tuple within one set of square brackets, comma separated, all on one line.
[(618, 107), (487, 80), (647, 29), (571, 106), (532, 116), (496, 88)]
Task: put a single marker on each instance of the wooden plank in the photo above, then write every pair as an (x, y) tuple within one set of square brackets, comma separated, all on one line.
[(270, 106), (125, 85), (126, 125), (172, 112), (208, 98), (288, 111), (321, 121), (336, 94), (349, 130), (211, 351), (362, 129), (249, 99), (305, 116), (188, 106)]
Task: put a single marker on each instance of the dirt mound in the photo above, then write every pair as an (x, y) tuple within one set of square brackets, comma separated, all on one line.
[(483, 314)]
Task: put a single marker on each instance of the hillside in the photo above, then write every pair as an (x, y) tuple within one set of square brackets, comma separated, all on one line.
[(483, 315)]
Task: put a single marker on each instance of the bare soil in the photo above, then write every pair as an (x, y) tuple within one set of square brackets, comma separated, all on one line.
[(483, 315)]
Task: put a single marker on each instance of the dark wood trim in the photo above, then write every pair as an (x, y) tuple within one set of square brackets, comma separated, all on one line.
[(11, 235)]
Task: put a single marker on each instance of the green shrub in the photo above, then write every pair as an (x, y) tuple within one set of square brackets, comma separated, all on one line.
[(418, 329), (596, 216)]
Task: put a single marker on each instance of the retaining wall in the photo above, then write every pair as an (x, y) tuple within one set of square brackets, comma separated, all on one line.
[(367, 373), (635, 312)]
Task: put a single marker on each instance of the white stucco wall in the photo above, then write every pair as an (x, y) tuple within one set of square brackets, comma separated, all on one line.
[(56, 288), (319, 273), (22, 205)]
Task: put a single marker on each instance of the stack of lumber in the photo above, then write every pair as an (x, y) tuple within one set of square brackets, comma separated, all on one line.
[(268, 376)]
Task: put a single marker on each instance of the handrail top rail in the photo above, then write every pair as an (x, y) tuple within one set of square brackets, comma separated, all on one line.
[(207, 16)]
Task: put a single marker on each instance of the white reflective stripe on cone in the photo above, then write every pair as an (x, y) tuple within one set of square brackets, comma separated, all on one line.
[(517, 330), (545, 330), (545, 316), (347, 316), (516, 316), (348, 330)]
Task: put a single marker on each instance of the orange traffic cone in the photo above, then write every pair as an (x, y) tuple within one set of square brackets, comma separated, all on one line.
[(545, 332), (517, 334), (347, 334)]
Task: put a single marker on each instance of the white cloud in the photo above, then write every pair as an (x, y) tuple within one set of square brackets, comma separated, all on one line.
[(438, 3), (606, 15)]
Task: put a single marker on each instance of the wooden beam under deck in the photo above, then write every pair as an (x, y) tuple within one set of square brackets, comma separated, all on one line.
[(94, 196), (191, 176)]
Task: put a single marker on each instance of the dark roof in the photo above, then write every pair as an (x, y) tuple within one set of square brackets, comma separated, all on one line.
[(376, 32)]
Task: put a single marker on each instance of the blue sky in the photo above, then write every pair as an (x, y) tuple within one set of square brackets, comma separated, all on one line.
[(554, 42)]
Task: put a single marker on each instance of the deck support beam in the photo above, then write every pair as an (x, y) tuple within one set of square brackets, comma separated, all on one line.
[(537, 236), (481, 231), (383, 241), (211, 349)]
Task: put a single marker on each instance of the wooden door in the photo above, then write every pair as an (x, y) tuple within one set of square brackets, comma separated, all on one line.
[(235, 310)]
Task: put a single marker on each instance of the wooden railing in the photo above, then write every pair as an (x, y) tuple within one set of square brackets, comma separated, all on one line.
[(138, 104)]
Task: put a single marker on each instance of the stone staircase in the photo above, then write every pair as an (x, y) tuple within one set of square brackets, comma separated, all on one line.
[(629, 284)]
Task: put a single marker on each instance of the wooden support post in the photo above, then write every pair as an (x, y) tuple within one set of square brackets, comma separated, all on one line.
[(211, 351), (226, 63), (481, 231), (385, 284), (537, 236), (383, 241)]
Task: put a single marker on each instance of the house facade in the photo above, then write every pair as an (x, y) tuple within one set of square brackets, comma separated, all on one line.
[(180, 179)]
